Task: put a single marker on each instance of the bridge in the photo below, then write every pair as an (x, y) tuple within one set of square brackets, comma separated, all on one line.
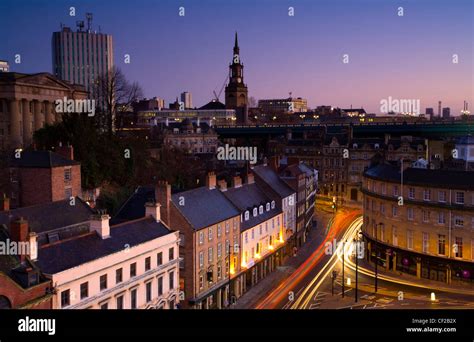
[(431, 129)]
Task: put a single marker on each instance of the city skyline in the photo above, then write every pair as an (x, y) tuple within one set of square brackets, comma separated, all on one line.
[(400, 59)]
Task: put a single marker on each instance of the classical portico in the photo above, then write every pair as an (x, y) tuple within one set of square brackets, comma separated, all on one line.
[(27, 103)]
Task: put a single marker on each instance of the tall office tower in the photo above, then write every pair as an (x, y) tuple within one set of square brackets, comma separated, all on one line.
[(429, 112), (81, 57), (446, 112), (187, 99), (439, 109)]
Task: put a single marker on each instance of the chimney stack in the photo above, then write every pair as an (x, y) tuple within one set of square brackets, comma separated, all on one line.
[(211, 180), (153, 209), (4, 203), (19, 232), (65, 151), (222, 184), (100, 224), (163, 197), (33, 243), (236, 182)]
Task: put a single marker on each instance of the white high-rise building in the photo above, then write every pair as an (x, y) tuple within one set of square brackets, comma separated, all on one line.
[(187, 99)]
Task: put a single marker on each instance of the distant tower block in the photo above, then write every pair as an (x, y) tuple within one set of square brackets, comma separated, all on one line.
[(439, 109)]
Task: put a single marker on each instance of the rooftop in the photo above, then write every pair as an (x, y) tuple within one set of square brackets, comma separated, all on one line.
[(41, 159), (70, 253)]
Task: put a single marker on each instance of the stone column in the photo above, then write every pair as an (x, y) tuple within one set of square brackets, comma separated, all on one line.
[(15, 127), (38, 116), (27, 127), (48, 113)]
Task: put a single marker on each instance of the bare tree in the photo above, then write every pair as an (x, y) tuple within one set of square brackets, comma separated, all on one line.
[(113, 93)]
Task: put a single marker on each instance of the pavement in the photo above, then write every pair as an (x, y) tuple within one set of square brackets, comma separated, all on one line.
[(316, 235)]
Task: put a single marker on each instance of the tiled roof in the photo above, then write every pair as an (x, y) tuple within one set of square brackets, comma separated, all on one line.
[(247, 197), (271, 178), (70, 253), (203, 207), (41, 159), (49, 216), (439, 178)]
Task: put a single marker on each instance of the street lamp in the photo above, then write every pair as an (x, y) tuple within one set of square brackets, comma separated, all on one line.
[(342, 283), (359, 236), (376, 255)]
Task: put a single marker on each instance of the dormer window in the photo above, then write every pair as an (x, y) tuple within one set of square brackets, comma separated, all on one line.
[(354, 145), (273, 204), (255, 212), (377, 146), (260, 210), (247, 215), (268, 207)]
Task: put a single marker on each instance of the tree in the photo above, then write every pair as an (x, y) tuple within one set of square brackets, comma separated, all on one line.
[(113, 93)]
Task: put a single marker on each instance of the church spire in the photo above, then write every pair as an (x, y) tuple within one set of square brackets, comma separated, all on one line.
[(236, 45)]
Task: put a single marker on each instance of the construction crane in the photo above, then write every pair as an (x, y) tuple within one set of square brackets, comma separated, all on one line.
[(216, 96)]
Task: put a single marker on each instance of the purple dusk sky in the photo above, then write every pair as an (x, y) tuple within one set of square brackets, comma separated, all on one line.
[(407, 57)]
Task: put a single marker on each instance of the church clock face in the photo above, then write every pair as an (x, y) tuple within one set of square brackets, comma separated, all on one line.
[(239, 80)]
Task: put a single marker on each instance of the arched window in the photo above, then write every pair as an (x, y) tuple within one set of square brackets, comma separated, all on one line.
[(247, 215), (254, 212), (260, 210), (268, 206), (273, 204)]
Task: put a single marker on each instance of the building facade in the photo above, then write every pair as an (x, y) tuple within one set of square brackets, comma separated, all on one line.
[(422, 226), (288, 105), (27, 103)]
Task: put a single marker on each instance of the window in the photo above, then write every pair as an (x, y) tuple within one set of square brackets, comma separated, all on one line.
[(411, 193), (395, 190), (68, 192), (427, 195), (133, 270), (394, 210), (160, 286), (219, 250), (459, 221), (67, 174), (384, 189), (148, 291), (133, 299), (119, 302), (442, 196), (441, 218), (104, 306), (273, 205), (426, 215), (171, 280), (227, 228), (247, 215), (252, 232), (84, 290), (210, 233), (255, 212), (201, 282), (458, 247), (219, 272), (201, 238), (425, 242), (219, 230), (103, 282), (410, 239), (171, 253), (210, 256), (260, 210), (382, 208), (159, 259), (459, 197), (201, 259), (394, 236), (268, 207), (65, 298), (442, 244), (410, 214), (147, 263)]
